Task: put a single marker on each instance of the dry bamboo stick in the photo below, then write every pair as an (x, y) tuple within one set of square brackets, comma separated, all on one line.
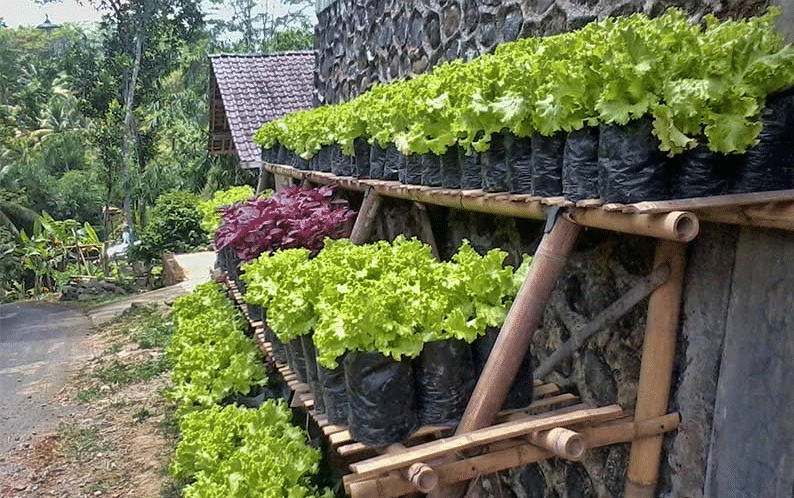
[(614, 311), (563, 442), (427, 229), (365, 220), (656, 368), (392, 485)]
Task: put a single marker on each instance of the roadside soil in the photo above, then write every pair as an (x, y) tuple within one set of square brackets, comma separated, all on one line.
[(115, 433)]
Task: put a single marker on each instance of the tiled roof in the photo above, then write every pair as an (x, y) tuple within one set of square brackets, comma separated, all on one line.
[(256, 89)]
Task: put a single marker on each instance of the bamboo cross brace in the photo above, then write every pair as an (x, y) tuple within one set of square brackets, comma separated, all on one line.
[(612, 313)]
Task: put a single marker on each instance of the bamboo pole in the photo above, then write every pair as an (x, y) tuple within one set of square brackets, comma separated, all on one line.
[(679, 226), (365, 220), (614, 311), (563, 442), (656, 369)]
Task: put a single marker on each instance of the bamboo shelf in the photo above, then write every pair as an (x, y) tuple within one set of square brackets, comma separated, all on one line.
[(556, 424), (672, 220)]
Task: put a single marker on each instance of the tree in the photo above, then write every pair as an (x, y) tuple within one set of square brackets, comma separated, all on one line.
[(257, 27)]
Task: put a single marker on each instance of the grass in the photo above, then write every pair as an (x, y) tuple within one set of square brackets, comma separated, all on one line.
[(80, 442), (118, 374)]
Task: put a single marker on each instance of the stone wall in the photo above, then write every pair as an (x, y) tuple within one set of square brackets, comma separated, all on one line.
[(360, 42)]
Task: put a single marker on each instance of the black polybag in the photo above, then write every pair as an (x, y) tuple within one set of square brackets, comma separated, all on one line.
[(361, 158), (341, 165), (520, 393), (295, 358), (495, 173), (547, 164), (301, 163), (382, 398), (269, 155), (451, 167), (256, 312), (283, 155), (312, 377), (431, 170), (519, 161), (631, 167), (411, 169), (325, 159), (334, 392), (278, 349), (471, 172), (700, 172), (580, 165), (768, 164), (391, 166), (445, 379), (377, 160)]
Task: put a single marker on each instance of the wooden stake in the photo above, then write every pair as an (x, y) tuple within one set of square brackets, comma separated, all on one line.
[(604, 319), (658, 354), (365, 220), (427, 229)]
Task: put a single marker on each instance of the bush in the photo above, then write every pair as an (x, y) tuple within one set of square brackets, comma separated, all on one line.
[(175, 226), (10, 265)]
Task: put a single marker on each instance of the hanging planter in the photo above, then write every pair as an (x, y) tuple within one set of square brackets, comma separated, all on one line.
[(580, 165), (445, 379), (382, 398), (631, 168)]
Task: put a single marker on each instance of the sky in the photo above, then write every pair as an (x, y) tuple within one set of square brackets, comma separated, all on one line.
[(29, 13)]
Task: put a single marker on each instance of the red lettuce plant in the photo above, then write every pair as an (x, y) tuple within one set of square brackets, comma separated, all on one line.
[(294, 217)]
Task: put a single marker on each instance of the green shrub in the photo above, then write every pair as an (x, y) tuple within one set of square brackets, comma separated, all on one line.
[(175, 226), (10, 264)]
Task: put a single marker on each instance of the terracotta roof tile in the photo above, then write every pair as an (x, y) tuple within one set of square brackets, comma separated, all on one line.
[(259, 88)]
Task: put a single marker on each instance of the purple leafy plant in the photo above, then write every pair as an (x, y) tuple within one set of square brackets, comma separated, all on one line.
[(293, 217)]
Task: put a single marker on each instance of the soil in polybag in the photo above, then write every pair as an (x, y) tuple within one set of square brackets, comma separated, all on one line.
[(279, 350), (341, 165), (295, 358), (377, 160), (312, 378), (361, 158), (391, 166), (495, 174), (700, 172), (471, 172), (580, 165), (451, 167), (445, 379), (519, 160), (382, 398), (334, 393), (768, 164), (324, 162), (411, 170), (520, 393), (431, 170), (631, 167), (547, 164)]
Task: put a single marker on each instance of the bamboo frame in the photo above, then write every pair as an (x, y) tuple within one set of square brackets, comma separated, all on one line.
[(656, 368), (365, 220)]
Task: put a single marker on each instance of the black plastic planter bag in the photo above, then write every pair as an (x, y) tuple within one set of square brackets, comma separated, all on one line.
[(412, 170), (580, 165), (256, 312), (361, 158), (279, 350), (377, 160), (631, 167), (519, 160), (295, 358), (431, 170), (520, 394), (451, 167), (269, 155), (547, 154), (495, 174), (382, 398), (312, 375), (283, 155), (301, 163), (325, 159), (445, 379), (768, 164), (701, 173), (392, 164), (471, 172), (341, 165), (334, 393)]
